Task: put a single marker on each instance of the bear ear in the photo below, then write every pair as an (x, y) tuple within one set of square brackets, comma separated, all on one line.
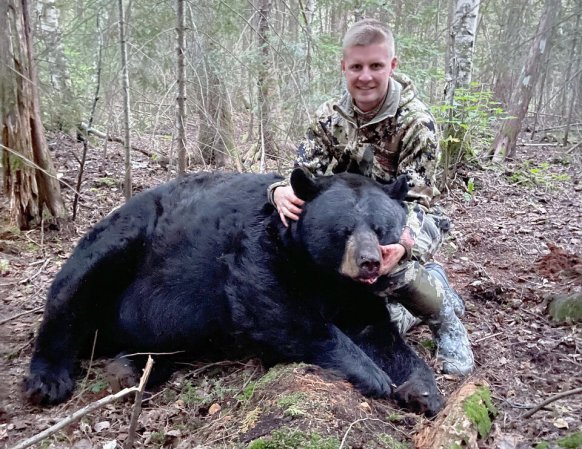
[(398, 189), (304, 185)]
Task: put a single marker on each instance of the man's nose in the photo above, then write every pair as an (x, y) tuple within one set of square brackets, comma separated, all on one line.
[(365, 74)]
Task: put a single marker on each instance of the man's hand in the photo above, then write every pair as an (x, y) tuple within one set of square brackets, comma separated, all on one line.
[(391, 255), (288, 205)]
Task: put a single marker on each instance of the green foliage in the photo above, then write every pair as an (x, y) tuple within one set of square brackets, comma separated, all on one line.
[(286, 438), (395, 417), (157, 438), (468, 195), (428, 344), (248, 392), (542, 445), (98, 386), (480, 409), (539, 174), (390, 442), (190, 394), (291, 403), (468, 124), (571, 441)]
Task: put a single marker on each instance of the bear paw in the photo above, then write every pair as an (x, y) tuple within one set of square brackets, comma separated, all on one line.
[(376, 385), (418, 397), (48, 387)]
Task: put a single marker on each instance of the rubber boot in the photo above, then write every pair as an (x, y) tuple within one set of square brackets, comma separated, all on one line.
[(437, 271), (426, 293), (453, 346)]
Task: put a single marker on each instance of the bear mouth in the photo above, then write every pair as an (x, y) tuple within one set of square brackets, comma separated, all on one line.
[(369, 280)]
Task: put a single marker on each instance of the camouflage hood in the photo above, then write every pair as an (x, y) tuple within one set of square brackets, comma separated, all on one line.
[(401, 91)]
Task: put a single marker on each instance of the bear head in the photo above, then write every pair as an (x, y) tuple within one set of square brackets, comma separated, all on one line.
[(345, 219)]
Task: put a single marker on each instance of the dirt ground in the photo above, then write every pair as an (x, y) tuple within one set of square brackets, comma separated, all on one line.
[(516, 243)]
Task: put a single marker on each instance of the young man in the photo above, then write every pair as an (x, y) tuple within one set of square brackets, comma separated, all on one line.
[(380, 129)]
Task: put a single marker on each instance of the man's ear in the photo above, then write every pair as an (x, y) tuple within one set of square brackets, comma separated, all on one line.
[(398, 189), (304, 185), (394, 63)]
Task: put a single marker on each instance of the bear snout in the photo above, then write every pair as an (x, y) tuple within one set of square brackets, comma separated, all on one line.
[(362, 257)]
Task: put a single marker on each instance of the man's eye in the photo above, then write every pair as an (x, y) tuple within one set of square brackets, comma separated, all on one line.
[(377, 66), (355, 67)]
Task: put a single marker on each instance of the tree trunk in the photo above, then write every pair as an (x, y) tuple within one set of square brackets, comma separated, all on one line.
[(504, 144), (575, 50), (181, 95), (542, 88), (216, 136), (29, 175), (504, 68), (61, 101), (460, 47), (127, 188), (266, 141), (463, 19)]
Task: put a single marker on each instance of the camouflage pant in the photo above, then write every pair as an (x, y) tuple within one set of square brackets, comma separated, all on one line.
[(411, 290)]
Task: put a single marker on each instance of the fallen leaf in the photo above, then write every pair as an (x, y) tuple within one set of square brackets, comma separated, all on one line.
[(560, 423), (101, 426), (214, 408)]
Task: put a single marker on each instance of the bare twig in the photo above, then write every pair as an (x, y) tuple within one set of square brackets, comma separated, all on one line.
[(74, 417), (5, 320), (489, 336), (573, 148), (163, 160), (368, 419), (137, 405), (551, 399)]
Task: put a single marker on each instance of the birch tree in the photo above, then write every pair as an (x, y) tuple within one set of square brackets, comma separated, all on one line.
[(463, 18), (266, 139), (61, 100), (29, 175), (505, 141)]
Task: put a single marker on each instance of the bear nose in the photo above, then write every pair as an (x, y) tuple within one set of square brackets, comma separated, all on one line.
[(369, 263)]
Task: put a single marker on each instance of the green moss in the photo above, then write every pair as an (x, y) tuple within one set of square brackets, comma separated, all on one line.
[(395, 417), (391, 442), (480, 409), (542, 445), (564, 309), (248, 392), (286, 438), (571, 441), (190, 394)]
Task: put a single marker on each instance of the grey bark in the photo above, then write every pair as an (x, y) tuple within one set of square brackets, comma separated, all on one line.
[(181, 85), (30, 180), (504, 144), (127, 187)]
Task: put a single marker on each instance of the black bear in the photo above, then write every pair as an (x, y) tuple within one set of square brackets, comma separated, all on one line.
[(203, 264)]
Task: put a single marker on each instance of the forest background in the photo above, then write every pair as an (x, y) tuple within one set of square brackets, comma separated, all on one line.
[(216, 84)]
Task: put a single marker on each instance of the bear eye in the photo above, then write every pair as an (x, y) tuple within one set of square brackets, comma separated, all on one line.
[(379, 231)]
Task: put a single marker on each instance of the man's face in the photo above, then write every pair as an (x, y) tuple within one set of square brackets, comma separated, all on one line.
[(367, 71)]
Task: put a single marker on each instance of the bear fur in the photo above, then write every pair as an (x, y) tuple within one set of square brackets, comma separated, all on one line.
[(204, 266)]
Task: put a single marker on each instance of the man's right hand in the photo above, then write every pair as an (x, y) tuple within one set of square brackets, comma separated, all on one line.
[(288, 205)]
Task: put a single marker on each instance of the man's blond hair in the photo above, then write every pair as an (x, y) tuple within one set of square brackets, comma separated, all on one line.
[(367, 32)]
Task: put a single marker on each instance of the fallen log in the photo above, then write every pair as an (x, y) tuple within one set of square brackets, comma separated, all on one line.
[(465, 419), (162, 160)]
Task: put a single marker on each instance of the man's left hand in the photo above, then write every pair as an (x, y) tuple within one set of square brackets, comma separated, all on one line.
[(391, 255)]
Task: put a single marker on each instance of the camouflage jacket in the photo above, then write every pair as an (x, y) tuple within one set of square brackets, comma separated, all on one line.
[(402, 138)]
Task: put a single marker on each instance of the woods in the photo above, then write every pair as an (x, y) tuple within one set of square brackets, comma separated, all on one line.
[(102, 99), (256, 71)]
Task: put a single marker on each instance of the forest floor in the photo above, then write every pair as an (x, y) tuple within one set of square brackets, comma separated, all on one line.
[(516, 243)]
